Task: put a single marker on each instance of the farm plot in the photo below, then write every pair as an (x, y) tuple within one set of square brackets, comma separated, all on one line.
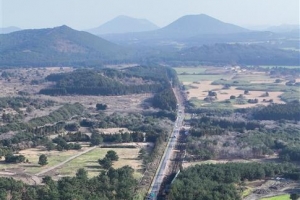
[(260, 86)]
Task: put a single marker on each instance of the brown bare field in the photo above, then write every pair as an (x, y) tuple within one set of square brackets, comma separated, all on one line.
[(200, 89)]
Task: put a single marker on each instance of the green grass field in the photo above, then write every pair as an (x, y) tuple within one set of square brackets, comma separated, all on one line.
[(215, 105), (197, 77), (192, 74), (265, 87), (190, 70), (280, 197), (247, 77), (291, 95), (89, 161)]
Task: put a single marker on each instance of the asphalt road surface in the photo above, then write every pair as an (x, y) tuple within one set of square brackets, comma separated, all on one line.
[(164, 164)]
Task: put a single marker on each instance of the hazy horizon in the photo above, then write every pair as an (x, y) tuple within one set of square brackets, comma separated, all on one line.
[(89, 14)]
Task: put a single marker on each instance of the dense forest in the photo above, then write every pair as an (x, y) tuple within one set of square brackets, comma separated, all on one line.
[(114, 184), (235, 53), (221, 181), (290, 111), (112, 82), (214, 126), (165, 100)]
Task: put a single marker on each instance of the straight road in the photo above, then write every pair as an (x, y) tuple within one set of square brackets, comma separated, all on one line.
[(164, 163)]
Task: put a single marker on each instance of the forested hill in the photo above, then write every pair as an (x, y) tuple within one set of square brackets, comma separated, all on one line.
[(56, 46), (238, 53), (133, 80)]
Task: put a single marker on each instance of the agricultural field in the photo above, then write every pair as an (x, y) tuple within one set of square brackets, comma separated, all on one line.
[(234, 87)]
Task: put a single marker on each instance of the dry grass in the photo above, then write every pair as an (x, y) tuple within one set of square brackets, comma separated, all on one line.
[(199, 89), (223, 161), (125, 103), (113, 130)]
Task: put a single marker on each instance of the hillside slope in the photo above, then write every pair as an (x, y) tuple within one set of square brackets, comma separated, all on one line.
[(55, 46)]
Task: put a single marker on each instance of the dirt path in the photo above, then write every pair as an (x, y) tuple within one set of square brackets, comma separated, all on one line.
[(64, 162)]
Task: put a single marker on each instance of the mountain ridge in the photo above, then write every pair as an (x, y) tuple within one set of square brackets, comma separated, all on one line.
[(58, 45), (181, 29), (124, 24), (10, 29), (192, 25)]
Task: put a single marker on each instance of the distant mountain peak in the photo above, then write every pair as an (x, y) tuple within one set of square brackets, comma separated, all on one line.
[(192, 25), (124, 24), (9, 29)]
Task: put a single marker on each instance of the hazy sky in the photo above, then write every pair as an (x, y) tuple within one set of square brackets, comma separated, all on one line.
[(85, 14)]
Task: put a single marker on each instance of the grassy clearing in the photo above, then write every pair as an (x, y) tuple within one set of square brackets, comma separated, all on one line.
[(196, 77), (247, 192), (193, 74), (280, 197), (215, 105), (89, 161), (54, 158), (231, 82), (190, 70), (266, 87), (248, 77), (291, 95)]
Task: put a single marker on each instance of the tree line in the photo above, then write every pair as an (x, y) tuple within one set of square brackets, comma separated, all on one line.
[(114, 184), (217, 181), (289, 111)]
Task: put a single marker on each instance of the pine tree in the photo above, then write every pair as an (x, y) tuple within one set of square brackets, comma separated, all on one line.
[(43, 160)]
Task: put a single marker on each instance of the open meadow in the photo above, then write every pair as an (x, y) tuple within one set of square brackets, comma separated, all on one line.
[(66, 163), (89, 161)]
